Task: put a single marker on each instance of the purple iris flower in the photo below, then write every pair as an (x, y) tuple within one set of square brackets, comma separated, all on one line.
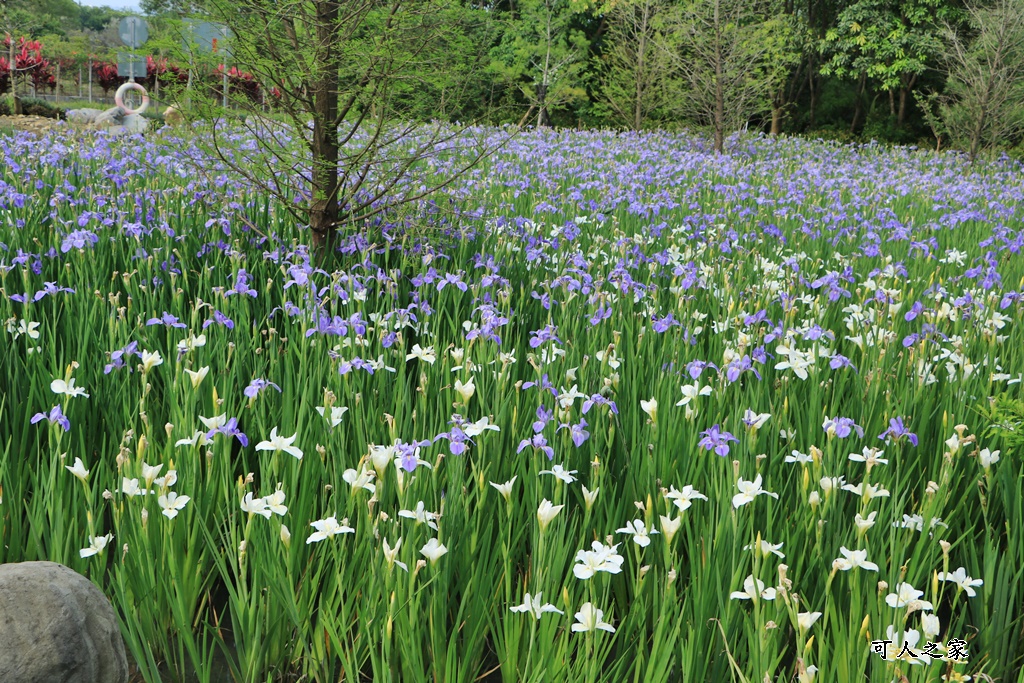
[(602, 313), (230, 428), (538, 442), (695, 367), (241, 285), (663, 324), (118, 357), (577, 432), (914, 311), (717, 440), (897, 431), (454, 280), (79, 239), (408, 453), (598, 399), (56, 415), (544, 299), (840, 361), (544, 384), (543, 417), (457, 440), (541, 336), (219, 317), (738, 367), (257, 386), (50, 289), (842, 427), (427, 278), (167, 320), (299, 274)]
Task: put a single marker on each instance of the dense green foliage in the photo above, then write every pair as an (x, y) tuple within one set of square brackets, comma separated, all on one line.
[(850, 69), (675, 356)]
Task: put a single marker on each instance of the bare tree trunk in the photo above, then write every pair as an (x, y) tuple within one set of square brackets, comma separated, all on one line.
[(542, 109), (859, 104), (324, 213), (640, 71), (814, 97), (979, 127), (14, 92), (905, 91), (719, 94), (777, 115)]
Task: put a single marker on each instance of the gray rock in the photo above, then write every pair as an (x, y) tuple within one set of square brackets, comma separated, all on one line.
[(134, 123), (111, 117), (83, 115), (57, 627)]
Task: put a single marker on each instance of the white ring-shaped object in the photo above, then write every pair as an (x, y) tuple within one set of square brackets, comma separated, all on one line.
[(119, 98)]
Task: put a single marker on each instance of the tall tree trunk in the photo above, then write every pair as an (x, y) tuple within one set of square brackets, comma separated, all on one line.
[(858, 107), (904, 97), (812, 108), (719, 94), (14, 93), (542, 108), (323, 207), (641, 76), (777, 114), (979, 126)]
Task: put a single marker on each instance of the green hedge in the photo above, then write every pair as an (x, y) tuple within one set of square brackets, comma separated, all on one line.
[(31, 106)]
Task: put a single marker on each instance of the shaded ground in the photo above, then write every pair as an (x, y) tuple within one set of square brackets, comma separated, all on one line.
[(33, 124)]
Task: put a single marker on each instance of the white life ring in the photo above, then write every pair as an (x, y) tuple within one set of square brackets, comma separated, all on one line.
[(119, 98)]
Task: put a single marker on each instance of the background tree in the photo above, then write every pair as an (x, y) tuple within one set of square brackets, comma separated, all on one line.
[(786, 37), (891, 42), (26, 61), (721, 54), (66, 55), (341, 69), (97, 18), (544, 53), (638, 73), (178, 8), (983, 101), (38, 17)]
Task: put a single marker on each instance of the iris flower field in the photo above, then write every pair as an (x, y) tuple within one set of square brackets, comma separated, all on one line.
[(609, 408)]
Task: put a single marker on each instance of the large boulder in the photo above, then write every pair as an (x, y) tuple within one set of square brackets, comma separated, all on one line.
[(111, 117), (135, 123), (57, 627), (82, 116)]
